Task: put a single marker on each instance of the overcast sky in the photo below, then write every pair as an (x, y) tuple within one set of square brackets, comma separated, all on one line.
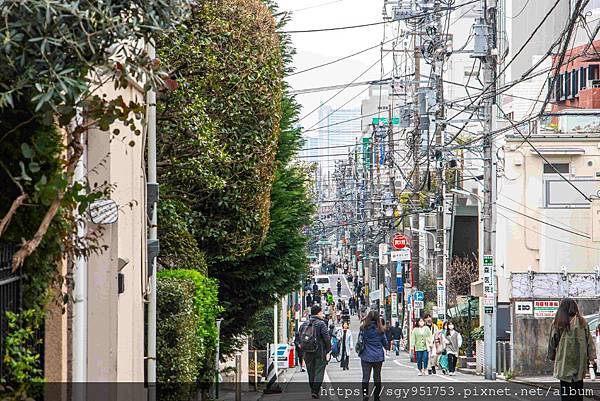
[(321, 47)]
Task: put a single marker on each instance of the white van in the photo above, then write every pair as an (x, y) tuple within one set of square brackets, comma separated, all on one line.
[(323, 282)]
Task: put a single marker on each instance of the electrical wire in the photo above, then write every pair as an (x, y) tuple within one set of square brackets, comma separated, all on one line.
[(425, 14), (545, 236)]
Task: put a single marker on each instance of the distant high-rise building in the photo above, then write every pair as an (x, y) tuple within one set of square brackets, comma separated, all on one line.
[(336, 130)]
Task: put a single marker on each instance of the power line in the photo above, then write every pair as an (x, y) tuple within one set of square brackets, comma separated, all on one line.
[(378, 22), (341, 58), (545, 236), (544, 222), (340, 91)]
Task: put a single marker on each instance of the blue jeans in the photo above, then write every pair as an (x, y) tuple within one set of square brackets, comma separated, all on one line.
[(397, 346), (422, 359)]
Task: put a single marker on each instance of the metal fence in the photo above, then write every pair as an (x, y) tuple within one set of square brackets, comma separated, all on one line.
[(10, 294), (503, 357)]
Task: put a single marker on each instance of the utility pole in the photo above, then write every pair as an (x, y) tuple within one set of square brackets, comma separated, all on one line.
[(486, 50), (392, 189), (440, 246), (416, 167)]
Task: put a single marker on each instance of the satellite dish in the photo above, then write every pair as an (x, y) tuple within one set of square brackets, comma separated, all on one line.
[(104, 211)]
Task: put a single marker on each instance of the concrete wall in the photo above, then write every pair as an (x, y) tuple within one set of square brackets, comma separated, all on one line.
[(524, 242), (116, 321), (530, 340)]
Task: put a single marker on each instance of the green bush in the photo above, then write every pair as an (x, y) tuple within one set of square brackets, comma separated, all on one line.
[(186, 330)]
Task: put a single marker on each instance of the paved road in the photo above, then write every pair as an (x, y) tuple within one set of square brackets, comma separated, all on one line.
[(396, 370)]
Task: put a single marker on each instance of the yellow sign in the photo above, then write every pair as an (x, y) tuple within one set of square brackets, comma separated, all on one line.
[(440, 324)]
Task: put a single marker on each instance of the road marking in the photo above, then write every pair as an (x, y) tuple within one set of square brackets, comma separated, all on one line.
[(412, 367), (326, 379)]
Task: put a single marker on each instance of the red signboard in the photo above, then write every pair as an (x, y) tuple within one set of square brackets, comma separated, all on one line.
[(398, 241)]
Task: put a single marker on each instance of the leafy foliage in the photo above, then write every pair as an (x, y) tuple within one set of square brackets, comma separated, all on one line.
[(186, 333), (20, 357), (219, 130), (53, 57), (280, 263)]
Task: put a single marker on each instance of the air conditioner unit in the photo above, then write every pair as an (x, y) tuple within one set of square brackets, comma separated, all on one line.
[(430, 221)]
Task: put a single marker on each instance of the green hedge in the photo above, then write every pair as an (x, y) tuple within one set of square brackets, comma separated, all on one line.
[(186, 328)]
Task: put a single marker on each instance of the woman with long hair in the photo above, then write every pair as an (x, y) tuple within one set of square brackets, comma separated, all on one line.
[(372, 355), (453, 341), (572, 349)]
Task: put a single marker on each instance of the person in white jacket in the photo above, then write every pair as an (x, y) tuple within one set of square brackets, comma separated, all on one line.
[(344, 336)]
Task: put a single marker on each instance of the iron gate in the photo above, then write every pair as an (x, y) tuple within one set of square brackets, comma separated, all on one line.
[(10, 294)]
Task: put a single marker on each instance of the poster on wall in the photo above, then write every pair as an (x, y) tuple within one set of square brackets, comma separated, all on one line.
[(524, 308), (545, 308)]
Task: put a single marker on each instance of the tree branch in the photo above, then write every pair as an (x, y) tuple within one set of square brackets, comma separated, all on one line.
[(30, 246), (11, 212)]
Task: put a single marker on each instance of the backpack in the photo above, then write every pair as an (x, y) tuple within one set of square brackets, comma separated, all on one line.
[(335, 346), (308, 338), (360, 343)]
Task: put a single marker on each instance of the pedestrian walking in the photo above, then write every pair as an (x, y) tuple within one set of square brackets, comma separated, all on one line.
[(315, 287), (308, 300), (329, 295), (317, 297), (571, 348), (421, 338), (339, 287), (453, 341), (298, 347), (396, 336), (432, 360), (374, 342), (388, 326), (351, 305), (347, 345), (315, 344), (439, 343)]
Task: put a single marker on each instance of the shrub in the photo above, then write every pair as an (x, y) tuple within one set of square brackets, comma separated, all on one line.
[(186, 330)]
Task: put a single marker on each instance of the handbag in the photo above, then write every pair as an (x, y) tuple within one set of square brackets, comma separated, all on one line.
[(360, 343)]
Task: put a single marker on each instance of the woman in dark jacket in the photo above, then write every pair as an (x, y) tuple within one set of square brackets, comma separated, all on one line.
[(372, 356)]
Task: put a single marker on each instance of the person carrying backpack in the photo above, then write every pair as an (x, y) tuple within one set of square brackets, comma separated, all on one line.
[(316, 345)]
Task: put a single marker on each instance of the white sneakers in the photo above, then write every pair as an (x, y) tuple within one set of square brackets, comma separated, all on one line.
[(420, 373)]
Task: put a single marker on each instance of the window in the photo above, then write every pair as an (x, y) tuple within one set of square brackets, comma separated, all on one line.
[(575, 82), (561, 194), (592, 72), (562, 168), (559, 87), (582, 78), (567, 76)]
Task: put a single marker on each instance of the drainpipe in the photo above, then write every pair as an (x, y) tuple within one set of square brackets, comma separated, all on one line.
[(80, 294), (153, 234)]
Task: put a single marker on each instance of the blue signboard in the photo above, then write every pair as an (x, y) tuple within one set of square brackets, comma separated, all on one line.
[(400, 284), (419, 296)]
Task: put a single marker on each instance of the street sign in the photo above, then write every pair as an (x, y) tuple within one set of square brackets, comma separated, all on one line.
[(488, 260), (488, 309), (383, 257), (523, 308), (419, 304), (400, 284), (489, 299), (394, 297), (545, 308), (441, 297), (419, 296), (399, 241)]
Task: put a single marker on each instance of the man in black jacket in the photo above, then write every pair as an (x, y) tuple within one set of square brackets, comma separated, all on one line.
[(396, 334), (316, 361)]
